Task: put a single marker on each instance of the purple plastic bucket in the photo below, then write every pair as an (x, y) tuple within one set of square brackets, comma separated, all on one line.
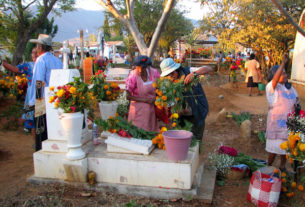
[(177, 143)]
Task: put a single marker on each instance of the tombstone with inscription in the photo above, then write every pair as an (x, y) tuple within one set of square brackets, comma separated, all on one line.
[(298, 62)]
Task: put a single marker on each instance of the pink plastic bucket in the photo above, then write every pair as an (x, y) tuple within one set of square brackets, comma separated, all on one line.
[(177, 143)]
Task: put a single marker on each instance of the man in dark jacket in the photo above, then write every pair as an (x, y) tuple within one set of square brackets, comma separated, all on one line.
[(196, 100)]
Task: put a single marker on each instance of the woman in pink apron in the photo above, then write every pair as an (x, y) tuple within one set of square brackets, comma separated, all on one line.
[(142, 94), (281, 98)]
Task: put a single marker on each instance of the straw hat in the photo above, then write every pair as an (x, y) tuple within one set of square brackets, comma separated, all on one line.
[(43, 39), (168, 66)]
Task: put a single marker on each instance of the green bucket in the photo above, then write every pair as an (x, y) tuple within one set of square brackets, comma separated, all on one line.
[(261, 86)]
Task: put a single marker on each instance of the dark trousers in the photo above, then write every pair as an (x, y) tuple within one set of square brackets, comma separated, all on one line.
[(41, 132), (197, 130)]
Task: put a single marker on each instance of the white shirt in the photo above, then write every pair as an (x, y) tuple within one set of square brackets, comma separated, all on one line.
[(42, 72)]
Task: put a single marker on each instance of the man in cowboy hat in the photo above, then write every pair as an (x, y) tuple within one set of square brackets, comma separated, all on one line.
[(41, 77), (198, 107)]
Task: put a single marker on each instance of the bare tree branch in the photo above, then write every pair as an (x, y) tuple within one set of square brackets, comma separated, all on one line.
[(128, 9), (109, 6), (287, 15), (161, 24), (27, 6)]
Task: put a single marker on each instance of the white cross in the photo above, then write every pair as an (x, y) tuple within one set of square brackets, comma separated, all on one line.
[(65, 51)]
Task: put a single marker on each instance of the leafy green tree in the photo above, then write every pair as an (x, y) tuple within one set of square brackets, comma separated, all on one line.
[(106, 27), (47, 27), (256, 24), (15, 16)]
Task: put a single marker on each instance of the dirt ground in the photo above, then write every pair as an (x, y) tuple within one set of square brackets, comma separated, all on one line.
[(16, 162)]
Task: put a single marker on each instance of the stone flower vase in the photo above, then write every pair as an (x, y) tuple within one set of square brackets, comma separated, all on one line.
[(177, 143), (108, 108), (72, 125)]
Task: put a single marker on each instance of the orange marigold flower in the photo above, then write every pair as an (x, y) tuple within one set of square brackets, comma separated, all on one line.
[(163, 129), (177, 99), (293, 184), (164, 98), (290, 160), (106, 86), (284, 180), (302, 147), (300, 187), (284, 189), (154, 85), (154, 141), (174, 124), (276, 170), (116, 114), (114, 130), (164, 147), (284, 145), (51, 88), (110, 117), (108, 93), (283, 174)]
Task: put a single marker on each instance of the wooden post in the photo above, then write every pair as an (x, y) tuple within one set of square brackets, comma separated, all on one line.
[(81, 32)]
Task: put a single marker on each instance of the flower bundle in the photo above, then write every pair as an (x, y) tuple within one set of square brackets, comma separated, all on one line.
[(102, 90), (124, 128), (72, 97), (170, 92), (289, 186), (99, 64), (21, 85)]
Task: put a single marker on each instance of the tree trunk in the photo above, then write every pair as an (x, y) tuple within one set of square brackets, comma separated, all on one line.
[(129, 21), (20, 47)]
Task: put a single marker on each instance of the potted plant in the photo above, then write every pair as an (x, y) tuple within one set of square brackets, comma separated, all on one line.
[(106, 94), (73, 99)]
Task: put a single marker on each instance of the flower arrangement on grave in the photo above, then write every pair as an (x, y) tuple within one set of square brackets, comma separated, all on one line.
[(72, 97), (122, 127), (102, 90), (204, 52), (20, 86), (295, 146), (99, 64), (295, 149), (289, 186), (233, 69)]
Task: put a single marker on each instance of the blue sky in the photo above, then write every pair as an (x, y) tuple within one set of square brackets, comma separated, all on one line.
[(197, 10)]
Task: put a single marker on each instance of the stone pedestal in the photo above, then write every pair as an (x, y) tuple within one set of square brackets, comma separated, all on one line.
[(138, 170)]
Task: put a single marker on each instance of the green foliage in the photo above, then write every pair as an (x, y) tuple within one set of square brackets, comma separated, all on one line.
[(106, 27), (134, 204), (254, 23), (262, 137), (147, 14), (19, 23), (247, 160), (122, 123), (241, 117)]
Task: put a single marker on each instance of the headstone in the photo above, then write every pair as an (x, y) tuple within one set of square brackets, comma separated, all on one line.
[(55, 131), (117, 75), (245, 129), (298, 62), (221, 116)]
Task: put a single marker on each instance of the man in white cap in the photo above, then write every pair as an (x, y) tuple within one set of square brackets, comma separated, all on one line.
[(41, 77), (197, 103)]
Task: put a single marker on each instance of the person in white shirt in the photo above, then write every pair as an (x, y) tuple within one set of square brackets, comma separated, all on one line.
[(45, 63)]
